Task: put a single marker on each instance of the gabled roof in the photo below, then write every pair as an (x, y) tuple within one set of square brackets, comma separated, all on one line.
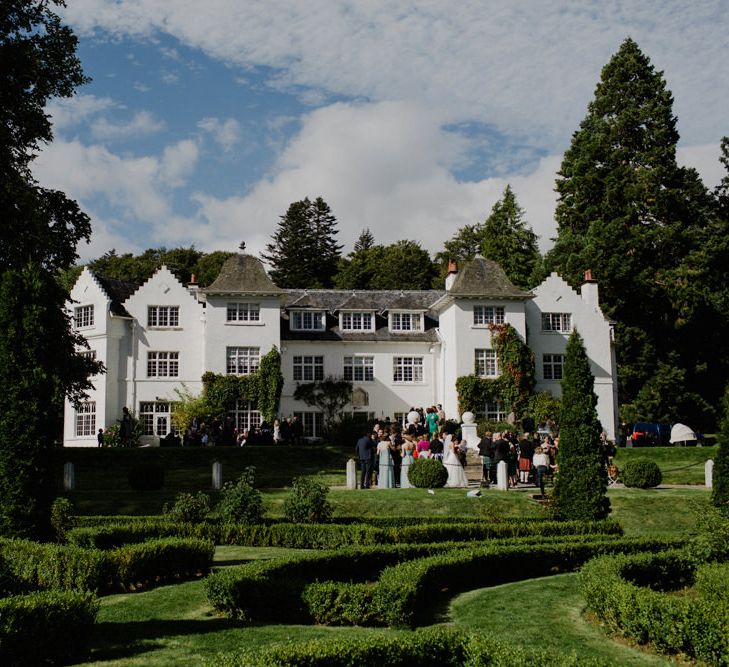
[(118, 292), (356, 301), (243, 274), (483, 278)]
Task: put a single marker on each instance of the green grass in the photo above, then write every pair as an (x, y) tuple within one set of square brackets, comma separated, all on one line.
[(546, 613), (679, 465)]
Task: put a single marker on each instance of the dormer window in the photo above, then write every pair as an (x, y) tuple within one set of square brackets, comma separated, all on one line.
[(356, 321), (307, 320), (406, 322)]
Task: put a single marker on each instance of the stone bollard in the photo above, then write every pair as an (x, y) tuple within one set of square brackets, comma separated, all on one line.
[(502, 476), (351, 474), (69, 477), (709, 474), (217, 475)]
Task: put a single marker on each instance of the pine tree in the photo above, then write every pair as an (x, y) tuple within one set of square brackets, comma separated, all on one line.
[(365, 241), (580, 488), (303, 251), (627, 211), (509, 241), (720, 482)]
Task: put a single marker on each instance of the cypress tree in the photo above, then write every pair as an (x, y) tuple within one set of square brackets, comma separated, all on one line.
[(303, 251), (580, 488), (720, 483)]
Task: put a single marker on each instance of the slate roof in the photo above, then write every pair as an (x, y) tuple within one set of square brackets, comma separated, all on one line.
[(118, 292), (242, 274), (484, 278), (379, 301)]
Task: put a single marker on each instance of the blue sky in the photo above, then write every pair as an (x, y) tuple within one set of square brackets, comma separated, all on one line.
[(204, 121)]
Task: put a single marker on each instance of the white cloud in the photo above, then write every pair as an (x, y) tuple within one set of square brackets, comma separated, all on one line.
[(225, 133), (143, 123), (528, 68), (67, 112), (178, 162)]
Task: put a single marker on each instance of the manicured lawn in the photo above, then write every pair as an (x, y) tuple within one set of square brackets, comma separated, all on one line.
[(679, 465), (544, 613)]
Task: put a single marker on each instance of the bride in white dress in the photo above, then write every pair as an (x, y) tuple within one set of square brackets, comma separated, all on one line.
[(456, 474)]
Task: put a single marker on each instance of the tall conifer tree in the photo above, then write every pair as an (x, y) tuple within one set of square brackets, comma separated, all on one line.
[(720, 483), (304, 251), (580, 488), (627, 211)]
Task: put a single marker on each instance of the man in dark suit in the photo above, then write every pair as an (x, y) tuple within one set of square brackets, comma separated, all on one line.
[(365, 448), (501, 452)]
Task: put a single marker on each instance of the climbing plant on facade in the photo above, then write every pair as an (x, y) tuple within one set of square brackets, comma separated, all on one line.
[(515, 383), (262, 388)]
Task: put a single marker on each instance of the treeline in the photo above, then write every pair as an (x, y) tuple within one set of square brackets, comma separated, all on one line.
[(655, 238)]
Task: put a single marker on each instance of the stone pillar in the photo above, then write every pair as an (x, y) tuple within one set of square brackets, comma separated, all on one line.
[(69, 477), (502, 476), (351, 474), (468, 430), (217, 475), (709, 474)]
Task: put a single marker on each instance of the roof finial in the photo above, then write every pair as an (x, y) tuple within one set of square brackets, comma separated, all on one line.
[(242, 246)]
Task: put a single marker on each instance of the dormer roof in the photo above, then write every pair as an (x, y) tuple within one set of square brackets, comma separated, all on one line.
[(243, 274), (483, 278)]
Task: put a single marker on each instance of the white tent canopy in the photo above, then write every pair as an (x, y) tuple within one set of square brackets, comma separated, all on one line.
[(682, 433)]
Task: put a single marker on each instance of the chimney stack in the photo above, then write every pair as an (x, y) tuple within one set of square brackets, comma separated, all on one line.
[(452, 273), (192, 286), (589, 291)]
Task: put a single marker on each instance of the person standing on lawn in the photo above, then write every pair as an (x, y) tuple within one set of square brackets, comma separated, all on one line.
[(365, 449)]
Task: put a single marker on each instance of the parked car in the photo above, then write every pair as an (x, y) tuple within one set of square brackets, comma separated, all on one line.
[(647, 434)]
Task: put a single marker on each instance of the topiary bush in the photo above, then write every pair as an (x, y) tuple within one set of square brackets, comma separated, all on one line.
[(307, 502), (427, 474), (241, 502), (62, 519), (189, 508), (641, 474)]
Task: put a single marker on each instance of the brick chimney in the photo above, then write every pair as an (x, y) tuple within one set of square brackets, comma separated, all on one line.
[(452, 273), (192, 286), (588, 290)]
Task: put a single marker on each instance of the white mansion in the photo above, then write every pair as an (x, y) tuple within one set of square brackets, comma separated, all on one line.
[(399, 348)]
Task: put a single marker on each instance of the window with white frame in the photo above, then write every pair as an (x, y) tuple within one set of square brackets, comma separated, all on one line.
[(552, 365), (359, 368), (406, 322), (486, 364), (88, 354), (307, 320), (495, 411), (155, 417), (163, 316), (407, 369), (83, 316), (561, 322), (356, 321), (243, 312), (163, 364), (245, 416), (308, 368), (401, 418), (483, 315), (242, 360), (86, 419), (313, 423)]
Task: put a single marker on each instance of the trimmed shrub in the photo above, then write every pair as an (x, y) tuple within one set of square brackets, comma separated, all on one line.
[(427, 474), (720, 483), (429, 647), (641, 474), (146, 477), (331, 603), (189, 508), (62, 519), (307, 502), (45, 627), (240, 502), (625, 593)]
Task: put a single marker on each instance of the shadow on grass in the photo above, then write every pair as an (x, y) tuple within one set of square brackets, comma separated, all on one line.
[(113, 641)]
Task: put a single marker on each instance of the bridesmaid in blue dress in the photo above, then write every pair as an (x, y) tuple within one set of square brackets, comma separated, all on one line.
[(386, 474), (407, 459)]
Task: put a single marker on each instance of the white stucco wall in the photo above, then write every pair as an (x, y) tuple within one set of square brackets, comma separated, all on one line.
[(554, 295)]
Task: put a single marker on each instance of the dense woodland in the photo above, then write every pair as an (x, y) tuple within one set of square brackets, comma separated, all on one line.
[(655, 237)]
